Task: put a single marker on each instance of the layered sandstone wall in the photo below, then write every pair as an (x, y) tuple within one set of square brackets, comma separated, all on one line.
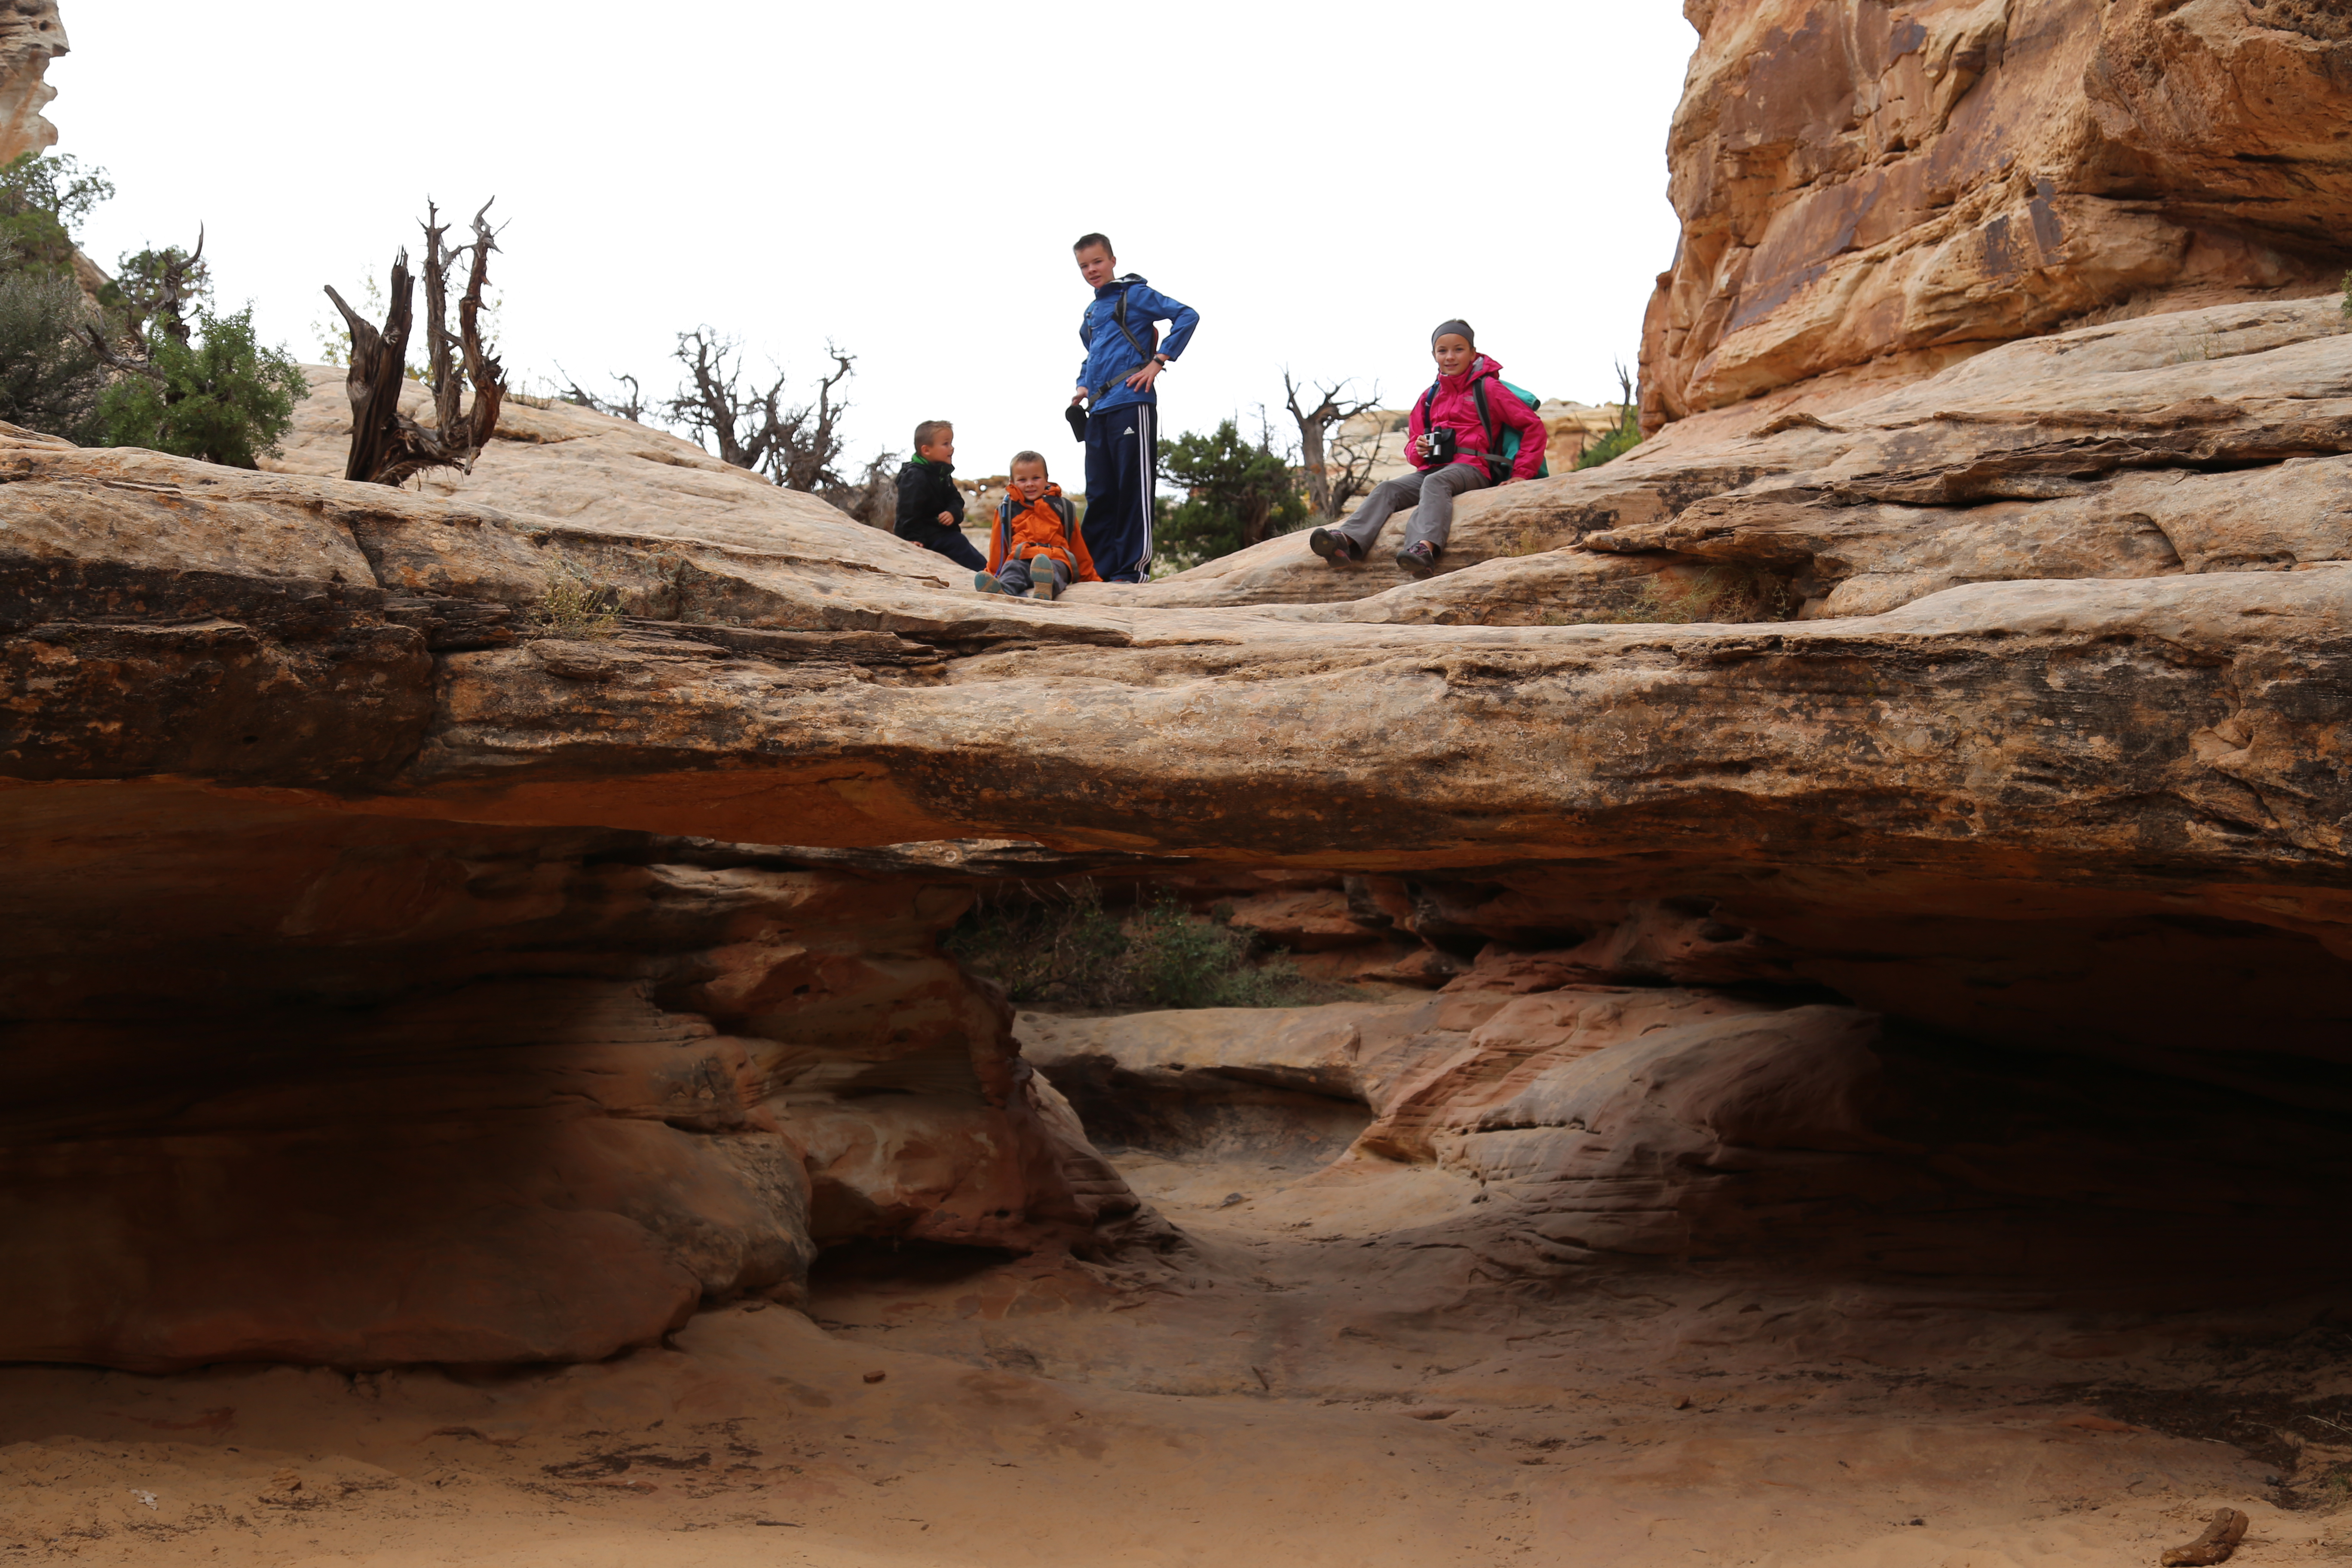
[(402, 979), (1864, 183), (288, 1084)]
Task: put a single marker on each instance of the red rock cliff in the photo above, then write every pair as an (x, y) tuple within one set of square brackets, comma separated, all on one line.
[(1859, 181)]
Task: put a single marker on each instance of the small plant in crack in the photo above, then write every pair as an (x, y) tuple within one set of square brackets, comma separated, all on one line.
[(576, 607)]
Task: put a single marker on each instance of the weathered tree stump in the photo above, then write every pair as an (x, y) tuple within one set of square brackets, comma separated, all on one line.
[(387, 446)]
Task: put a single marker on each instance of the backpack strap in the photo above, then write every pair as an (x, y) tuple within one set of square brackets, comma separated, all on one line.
[(1118, 314), (1493, 457)]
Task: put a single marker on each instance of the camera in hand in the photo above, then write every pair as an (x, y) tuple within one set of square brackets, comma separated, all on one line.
[(1438, 445)]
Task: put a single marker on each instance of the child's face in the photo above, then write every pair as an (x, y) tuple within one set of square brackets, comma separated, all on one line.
[(941, 451), (1096, 265), (1029, 478), (1453, 354)]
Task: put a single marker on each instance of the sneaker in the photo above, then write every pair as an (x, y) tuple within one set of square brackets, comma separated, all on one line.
[(1334, 546), (988, 584), (1419, 560), (1043, 589)]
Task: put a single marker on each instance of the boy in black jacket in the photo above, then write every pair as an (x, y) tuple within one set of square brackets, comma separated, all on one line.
[(931, 507)]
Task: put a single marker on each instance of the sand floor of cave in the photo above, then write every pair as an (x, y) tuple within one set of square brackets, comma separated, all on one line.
[(1298, 1389)]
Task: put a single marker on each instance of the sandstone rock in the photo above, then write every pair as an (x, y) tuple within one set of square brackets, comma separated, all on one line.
[(585, 476), (1279, 1085), (458, 975), (1313, 922), (2193, 442), (327, 1087), (1857, 184), (31, 34)]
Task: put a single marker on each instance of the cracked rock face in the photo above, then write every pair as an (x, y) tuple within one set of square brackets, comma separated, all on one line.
[(1861, 183), (388, 958)]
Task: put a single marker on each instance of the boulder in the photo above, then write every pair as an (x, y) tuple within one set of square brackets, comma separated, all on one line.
[(1862, 185)]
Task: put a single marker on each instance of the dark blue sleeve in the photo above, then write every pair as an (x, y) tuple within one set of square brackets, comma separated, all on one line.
[(1158, 307)]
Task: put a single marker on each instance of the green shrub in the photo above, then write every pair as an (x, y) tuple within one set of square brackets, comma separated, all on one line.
[(1616, 443), (1057, 943), (1237, 493), (51, 378), (218, 397), (42, 203)]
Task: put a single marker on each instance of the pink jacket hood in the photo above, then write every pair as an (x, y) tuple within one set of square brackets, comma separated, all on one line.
[(1455, 408)]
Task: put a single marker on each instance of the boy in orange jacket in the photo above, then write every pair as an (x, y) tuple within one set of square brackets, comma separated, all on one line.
[(1036, 547)]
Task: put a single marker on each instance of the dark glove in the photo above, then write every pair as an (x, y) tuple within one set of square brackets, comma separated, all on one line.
[(1077, 418)]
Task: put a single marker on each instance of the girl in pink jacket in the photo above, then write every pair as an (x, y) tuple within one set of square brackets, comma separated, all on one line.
[(1455, 442)]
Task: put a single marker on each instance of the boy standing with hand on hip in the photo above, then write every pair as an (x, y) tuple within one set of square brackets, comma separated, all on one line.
[(1124, 357)]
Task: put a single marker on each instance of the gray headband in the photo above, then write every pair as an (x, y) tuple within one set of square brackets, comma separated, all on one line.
[(1462, 327)]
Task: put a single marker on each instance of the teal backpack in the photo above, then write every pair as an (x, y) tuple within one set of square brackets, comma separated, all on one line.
[(1508, 448)]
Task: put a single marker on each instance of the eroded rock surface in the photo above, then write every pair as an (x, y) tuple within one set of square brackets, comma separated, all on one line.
[(2200, 441), (2040, 802), (1860, 183), (286, 1083), (32, 34)]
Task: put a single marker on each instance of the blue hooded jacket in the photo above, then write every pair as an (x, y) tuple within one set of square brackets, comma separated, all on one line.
[(1110, 358)]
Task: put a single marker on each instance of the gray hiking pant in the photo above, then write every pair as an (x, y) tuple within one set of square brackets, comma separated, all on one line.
[(1431, 496), (1037, 571)]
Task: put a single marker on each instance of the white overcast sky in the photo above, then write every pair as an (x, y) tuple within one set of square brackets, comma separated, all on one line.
[(1324, 183)]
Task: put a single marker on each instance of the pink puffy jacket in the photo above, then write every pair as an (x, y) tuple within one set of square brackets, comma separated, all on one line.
[(1455, 408)]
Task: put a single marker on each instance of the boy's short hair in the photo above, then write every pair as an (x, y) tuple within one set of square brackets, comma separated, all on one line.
[(1102, 240), (1036, 457), (927, 432)]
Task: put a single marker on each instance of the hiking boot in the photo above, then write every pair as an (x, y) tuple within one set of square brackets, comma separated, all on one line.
[(1420, 560), (988, 584), (1334, 546), (1044, 590)]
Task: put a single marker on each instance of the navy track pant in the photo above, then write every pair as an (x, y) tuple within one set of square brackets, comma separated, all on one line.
[(949, 542), (1122, 457)]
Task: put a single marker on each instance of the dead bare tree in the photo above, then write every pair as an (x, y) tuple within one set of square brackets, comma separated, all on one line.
[(752, 428), (157, 294), (872, 500), (631, 408), (812, 445), (1337, 467), (387, 446)]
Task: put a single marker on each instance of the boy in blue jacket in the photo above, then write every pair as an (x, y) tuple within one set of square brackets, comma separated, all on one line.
[(1124, 356)]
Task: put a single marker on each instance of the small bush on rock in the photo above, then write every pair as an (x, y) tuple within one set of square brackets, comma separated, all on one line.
[(1238, 492), (1056, 944), (216, 395), (1628, 434), (575, 607), (42, 202), (49, 375)]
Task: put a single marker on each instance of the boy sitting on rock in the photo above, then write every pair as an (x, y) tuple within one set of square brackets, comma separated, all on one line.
[(931, 507), (1036, 548)]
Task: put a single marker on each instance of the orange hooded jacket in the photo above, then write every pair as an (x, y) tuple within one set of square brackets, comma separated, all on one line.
[(1048, 524)]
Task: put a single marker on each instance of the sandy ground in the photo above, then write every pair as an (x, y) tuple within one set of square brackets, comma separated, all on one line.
[(1300, 1386)]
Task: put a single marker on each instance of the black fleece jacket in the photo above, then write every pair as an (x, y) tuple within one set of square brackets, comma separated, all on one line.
[(925, 490)]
